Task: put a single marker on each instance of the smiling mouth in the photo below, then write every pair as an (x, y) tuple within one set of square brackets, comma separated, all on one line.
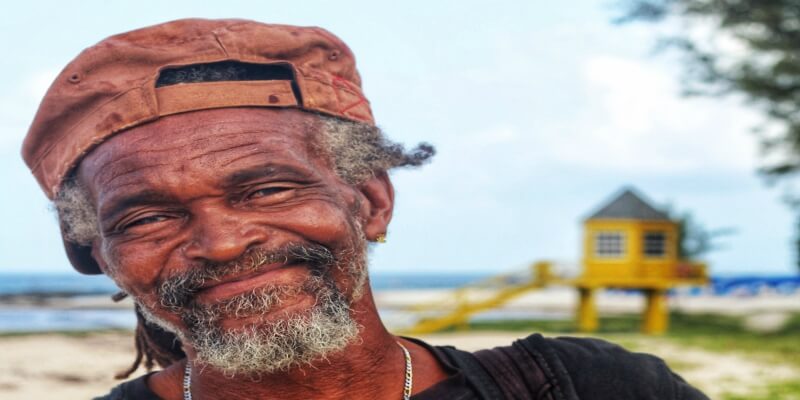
[(220, 289)]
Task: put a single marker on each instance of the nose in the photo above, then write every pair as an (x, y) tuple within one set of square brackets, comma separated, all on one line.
[(221, 235)]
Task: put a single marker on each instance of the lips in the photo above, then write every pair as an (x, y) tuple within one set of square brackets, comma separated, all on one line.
[(209, 282), (228, 286)]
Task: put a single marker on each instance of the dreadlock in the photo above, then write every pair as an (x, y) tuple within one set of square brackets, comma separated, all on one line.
[(154, 345)]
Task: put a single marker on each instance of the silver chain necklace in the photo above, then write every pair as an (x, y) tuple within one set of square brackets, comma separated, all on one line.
[(409, 377), (409, 373)]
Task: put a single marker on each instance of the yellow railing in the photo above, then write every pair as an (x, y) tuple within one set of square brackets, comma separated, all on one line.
[(463, 305), (456, 309)]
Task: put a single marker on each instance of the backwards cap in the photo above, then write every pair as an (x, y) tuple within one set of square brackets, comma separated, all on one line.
[(118, 84), (111, 86)]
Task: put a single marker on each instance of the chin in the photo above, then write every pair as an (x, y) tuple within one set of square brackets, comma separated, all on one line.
[(303, 333), (289, 309)]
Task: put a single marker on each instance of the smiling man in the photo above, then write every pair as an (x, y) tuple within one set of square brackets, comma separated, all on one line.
[(228, 175)]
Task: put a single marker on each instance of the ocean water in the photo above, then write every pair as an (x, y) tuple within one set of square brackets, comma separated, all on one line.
[(36, 319), (44, 319), (14, 318), (55, 284), (75, 284)]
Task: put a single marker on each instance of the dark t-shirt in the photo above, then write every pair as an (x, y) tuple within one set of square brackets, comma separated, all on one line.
[(532, 368)]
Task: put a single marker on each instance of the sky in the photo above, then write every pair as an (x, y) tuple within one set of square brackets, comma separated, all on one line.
[(540, 112)]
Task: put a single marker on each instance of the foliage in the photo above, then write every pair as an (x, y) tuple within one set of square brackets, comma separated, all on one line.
[(750, 48), (695, 239), (753, 49)]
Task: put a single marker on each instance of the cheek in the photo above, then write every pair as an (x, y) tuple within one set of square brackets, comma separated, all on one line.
[(139, 265), (135, 266), (321, 222), (131, 269)]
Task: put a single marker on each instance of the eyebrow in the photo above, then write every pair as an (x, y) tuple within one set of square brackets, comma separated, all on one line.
[(250, 174), (139, 198), (150, 197)]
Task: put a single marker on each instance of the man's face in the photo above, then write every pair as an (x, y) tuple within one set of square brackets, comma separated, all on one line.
[(228, 228)]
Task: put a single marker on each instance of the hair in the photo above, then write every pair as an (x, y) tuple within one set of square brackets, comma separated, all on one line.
[(356, 151)]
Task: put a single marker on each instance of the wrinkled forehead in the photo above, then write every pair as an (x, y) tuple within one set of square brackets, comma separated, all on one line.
[(213, 136)]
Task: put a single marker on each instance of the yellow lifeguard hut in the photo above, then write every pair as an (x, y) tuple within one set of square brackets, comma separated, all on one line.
[(627, 244), (630, 244)]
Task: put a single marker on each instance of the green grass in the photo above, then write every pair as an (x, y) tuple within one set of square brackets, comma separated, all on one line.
[(778, 391), (781, 346), (708, 331), (714, 333)]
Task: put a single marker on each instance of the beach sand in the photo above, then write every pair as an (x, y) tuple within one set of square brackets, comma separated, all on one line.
[(40, 366), (82, 365)]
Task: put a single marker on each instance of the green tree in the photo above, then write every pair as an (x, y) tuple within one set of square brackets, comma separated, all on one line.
[(695, 240), (749, 48)]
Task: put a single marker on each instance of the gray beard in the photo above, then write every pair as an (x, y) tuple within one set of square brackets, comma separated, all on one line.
[(267, 346), (276, 345), (280, 343)]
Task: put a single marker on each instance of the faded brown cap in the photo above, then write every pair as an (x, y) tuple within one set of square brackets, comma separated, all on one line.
[(118, 84), (111, 86)]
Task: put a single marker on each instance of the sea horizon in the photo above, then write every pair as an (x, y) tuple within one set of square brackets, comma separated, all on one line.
[(66, 282), (26, 299)]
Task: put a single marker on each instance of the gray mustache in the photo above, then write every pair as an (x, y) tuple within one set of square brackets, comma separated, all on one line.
[(177, 291)]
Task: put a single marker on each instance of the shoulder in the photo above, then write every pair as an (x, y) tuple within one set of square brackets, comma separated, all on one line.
[(596, 368), (133, 389), (116, 393)]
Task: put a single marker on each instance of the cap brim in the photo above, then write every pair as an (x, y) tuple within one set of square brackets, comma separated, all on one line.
[(81, 258)]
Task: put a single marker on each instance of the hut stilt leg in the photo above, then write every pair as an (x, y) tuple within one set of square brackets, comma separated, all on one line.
[(587, 310), (656, 313)]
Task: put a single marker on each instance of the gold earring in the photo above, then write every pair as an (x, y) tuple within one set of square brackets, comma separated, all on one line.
[(381, 238)]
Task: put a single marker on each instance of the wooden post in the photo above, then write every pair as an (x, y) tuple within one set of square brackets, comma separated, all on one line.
[(461, 310), (542, 272), (587, 310), (656, 313)]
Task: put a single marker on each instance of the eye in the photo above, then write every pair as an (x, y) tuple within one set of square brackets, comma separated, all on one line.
[(141, 221), (146, 220), (267, 191)]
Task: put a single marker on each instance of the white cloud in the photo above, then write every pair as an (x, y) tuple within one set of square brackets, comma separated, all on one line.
[(639, 121), (36, 85), (633, 119), (18, 104)]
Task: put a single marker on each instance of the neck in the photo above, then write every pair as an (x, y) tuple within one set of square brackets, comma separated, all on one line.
[(372, 366)]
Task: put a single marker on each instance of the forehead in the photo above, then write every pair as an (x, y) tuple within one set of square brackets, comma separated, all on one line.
[(212, 139)]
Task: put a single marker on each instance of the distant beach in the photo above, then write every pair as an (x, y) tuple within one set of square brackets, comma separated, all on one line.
[(72, 302), (63, 334)]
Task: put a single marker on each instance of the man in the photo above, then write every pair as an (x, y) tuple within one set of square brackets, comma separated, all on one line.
[(228, 176)]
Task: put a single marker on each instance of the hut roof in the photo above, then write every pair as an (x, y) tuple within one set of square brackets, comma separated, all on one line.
[(629, 205)]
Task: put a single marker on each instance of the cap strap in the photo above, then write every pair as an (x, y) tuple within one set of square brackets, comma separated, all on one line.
[(186, 97)]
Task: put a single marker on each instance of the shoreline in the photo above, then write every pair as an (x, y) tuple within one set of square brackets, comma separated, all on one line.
[(399, 308), (547, 299)]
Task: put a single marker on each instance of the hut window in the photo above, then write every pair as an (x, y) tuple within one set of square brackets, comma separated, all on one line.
[(609, 244), (655, 244)]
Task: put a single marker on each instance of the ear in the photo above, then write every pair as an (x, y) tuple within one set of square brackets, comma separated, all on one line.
[(97, 255), (379, 195)]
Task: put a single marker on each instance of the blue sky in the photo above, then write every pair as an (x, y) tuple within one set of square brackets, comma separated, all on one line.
[(540, 111)]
